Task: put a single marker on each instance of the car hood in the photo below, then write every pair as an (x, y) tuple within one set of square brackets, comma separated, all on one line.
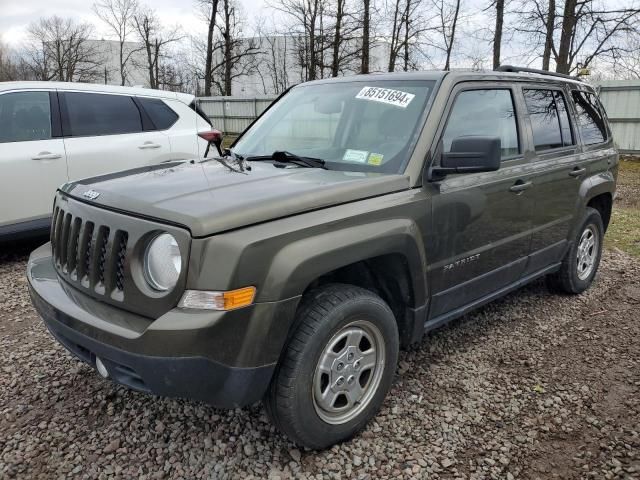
[(209, 198)]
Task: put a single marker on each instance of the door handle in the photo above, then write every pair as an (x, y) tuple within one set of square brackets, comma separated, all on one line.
[(147, 145), (577, 172), (520, 186), (46, 156)]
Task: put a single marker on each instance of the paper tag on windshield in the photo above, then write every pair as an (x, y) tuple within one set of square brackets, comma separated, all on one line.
[(358, 156), (386, 95), (375, 159)]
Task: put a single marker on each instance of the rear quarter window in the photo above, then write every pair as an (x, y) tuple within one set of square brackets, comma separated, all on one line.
[(196, 108), (591, 120), (162, 115)]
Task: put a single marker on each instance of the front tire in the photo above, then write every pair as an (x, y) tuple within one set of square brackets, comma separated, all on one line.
[(337, 367), (581, 262)]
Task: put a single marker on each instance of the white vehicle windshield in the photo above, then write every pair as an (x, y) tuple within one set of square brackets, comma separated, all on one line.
[(367, 126)]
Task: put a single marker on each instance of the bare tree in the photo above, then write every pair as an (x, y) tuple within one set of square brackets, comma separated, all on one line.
[(306, 18), (626, 64), (366, 36), (8, 68), (209, 9), (396, 29), (583, 23), (233, 55), (338, 36), (118, 16), (407, 28), (447, 14), (59, 49), (549, 27), (576, 32), (497, 33), (154, 40), (274, 61), (343, 36)]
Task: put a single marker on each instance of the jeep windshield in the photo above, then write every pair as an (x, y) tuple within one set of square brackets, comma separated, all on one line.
[(367, 126)]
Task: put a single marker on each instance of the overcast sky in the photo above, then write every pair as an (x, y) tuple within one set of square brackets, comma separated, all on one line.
[(15, 15)]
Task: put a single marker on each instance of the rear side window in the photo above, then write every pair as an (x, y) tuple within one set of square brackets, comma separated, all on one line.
[(486, 113), (92, 114), (549, 119), (161, 115), (24, 117), (590, 118)]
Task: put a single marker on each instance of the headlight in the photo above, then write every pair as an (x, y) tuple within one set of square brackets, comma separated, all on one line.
[(162, 262)]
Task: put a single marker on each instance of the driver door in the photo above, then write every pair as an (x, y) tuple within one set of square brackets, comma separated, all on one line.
[(481, 221)]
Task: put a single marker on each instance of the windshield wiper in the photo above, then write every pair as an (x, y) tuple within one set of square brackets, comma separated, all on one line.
[(239, 160), (283, 157)]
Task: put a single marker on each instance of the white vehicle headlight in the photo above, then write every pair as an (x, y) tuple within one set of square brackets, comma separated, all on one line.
[(162, 262)]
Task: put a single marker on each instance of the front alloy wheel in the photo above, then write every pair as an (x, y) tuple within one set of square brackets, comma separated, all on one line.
[(337, 366), (348, 372)]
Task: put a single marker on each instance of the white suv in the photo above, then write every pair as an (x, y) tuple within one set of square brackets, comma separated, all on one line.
[(52, 133)]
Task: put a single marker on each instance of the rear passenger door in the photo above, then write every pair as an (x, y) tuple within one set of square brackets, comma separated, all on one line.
[(481, 221), (557, 169), (106, 133)]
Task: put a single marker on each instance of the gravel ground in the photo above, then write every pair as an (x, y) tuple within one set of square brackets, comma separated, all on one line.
[(532, 386)]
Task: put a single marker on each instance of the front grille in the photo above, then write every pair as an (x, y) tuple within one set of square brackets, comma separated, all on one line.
[(121, 256), (97, 252), (92, 255)]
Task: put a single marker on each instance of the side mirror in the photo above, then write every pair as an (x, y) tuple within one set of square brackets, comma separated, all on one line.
[(213, 137), (470, 154)]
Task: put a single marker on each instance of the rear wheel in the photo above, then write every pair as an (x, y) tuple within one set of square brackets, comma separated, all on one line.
[(581, 262), (337, 367)]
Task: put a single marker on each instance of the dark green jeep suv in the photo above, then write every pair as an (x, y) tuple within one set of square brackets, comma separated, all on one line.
[(353, 216)]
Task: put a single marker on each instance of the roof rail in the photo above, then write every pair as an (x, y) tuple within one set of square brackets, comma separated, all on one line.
[(511, 68)]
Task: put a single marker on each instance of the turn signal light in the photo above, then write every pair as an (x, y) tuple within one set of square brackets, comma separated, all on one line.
[(230, 300)]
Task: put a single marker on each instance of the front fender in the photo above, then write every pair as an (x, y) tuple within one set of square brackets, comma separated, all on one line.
[(300, 262)]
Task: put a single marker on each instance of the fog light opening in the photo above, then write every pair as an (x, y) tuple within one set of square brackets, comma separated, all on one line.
[(102, 370)]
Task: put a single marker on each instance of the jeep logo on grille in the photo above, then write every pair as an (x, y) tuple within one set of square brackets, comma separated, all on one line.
[(91, 194)]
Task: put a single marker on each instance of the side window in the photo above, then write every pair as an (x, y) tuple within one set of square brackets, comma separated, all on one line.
[(590, 118), (162, 116), (93, 114), (24, 117), (486, 113), (549, 119)]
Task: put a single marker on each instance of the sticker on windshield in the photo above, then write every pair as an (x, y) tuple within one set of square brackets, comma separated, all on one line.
[(358, 156), (386, 95), (375, 159)]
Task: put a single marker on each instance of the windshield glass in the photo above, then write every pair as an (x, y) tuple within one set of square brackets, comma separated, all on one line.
[(357, 126)]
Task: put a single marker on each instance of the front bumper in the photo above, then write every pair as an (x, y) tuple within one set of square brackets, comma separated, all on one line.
[(225, 359)]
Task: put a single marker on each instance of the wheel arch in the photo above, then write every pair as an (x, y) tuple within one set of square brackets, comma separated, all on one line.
[(598, 193), (386, 258)]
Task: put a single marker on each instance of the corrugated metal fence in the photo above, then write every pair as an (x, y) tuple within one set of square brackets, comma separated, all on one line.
[(621, 100), (232, 115)]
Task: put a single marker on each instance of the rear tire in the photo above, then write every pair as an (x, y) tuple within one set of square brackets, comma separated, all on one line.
[(580, 264), (337, 368)]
